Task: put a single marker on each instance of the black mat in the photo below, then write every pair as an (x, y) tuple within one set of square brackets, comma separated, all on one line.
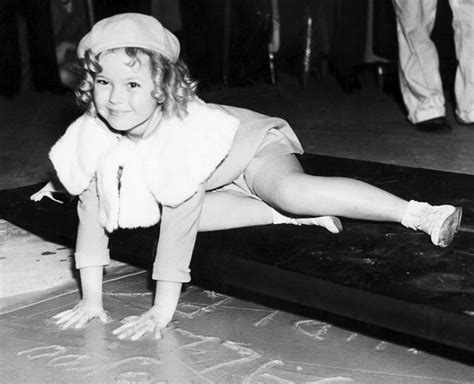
[(379, 273)]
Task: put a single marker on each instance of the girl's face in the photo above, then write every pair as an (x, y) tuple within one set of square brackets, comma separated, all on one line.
[(123, 92)]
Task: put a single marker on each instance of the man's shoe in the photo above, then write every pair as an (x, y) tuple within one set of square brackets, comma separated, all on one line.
[(438, 124)]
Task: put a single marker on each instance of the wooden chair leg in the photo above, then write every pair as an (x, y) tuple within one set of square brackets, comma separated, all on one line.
[(271, 63), (226, 48), (307, 50), (274, 43)]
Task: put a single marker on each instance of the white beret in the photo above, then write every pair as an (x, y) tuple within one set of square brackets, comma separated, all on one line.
[(130, 30)]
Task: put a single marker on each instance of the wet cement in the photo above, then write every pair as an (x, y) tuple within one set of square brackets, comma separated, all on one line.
[(215, 339)]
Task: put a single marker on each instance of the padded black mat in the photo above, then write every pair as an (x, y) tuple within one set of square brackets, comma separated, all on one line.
[(379, 273)]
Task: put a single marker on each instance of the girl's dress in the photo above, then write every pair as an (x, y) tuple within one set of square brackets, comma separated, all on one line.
[(163, 177)]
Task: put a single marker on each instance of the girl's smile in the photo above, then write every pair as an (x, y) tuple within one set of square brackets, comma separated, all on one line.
[(123, 93)]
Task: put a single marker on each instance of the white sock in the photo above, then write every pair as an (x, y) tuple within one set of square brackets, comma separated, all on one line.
[(278, 218), (414, 213)]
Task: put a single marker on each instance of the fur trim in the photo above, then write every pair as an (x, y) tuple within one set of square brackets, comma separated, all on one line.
[(190, 150), (125, 200), (76, 153), (134, 178)]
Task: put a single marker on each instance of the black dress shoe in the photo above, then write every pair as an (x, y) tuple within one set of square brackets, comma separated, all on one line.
[(438, 124)]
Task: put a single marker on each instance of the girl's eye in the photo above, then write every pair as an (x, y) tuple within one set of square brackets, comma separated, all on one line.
[(101, 81), (133, 85)]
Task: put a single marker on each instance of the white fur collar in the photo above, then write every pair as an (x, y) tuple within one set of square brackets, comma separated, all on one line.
[(166, 168)]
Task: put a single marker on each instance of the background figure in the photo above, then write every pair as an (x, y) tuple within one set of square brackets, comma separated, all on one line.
[(420, 79), (39, 40), (240, 60), (70, 22), (39, 47), (348, 41), (10, 63), (339, 31)]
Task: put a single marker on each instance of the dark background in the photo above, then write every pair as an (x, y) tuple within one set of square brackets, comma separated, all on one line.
[(32, 30)]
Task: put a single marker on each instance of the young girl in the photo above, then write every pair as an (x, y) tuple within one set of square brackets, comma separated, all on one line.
[(147, 149)]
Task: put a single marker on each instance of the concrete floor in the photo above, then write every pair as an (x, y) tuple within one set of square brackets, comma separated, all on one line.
[(216, 338)]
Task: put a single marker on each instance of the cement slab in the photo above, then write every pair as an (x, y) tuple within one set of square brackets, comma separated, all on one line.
[(215, 339)]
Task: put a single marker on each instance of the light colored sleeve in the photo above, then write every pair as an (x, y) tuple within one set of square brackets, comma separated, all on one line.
[(92, 241), (178, 231)]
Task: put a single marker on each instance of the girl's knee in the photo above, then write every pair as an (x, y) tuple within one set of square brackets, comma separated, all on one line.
[(282, 194)]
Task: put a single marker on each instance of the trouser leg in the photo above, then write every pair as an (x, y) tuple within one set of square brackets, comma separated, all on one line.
[(10, 59), (42, 46), (420, 80), (463, 25)]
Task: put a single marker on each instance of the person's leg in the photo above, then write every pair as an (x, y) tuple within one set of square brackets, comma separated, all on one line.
[(420, 80), (349, 42), (42, 46), (463, 25), (227, 209), (10, 56), (282, 183)]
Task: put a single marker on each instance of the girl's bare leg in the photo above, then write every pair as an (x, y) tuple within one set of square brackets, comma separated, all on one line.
[(282, 183), (226, 210)]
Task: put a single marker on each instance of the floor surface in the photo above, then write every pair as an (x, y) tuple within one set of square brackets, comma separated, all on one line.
[(216, 338)]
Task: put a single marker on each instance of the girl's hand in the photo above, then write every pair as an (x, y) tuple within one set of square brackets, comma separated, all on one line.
[(46, 191), (80, 315), (136, 326)]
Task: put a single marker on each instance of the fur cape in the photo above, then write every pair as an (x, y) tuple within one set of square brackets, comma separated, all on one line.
[(133, 179)]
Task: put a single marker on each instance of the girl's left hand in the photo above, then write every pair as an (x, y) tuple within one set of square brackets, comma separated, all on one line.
[(137, 326), (46, 191)]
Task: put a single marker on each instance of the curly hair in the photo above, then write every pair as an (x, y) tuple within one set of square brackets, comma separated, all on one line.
[(174, 87)]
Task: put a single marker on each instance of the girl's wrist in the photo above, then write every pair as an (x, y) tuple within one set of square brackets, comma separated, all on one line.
[(91, 281), (167, 292), (92, 301)]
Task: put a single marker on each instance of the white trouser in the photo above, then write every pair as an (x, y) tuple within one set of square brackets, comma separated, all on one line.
[(420, 81)]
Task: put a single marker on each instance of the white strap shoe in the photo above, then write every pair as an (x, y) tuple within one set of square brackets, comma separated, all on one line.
[(331, 223), (441, 222)]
